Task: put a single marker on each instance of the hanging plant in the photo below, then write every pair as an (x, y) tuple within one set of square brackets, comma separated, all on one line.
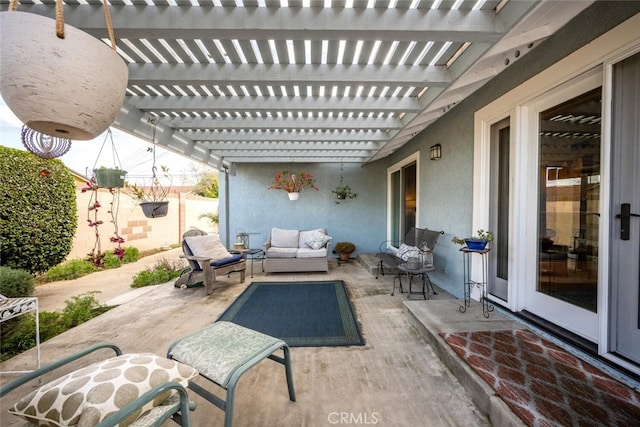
[(109, 176), (153, 198), (342, 191), (293, 184), (64, 83), (96, 256)]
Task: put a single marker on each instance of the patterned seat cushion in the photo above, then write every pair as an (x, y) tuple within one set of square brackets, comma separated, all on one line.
[(218, 350), (89, 395)]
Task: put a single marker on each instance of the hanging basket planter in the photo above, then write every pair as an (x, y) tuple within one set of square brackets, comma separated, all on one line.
[(109, 178), (293, 196), (155, 209), (71, 87)]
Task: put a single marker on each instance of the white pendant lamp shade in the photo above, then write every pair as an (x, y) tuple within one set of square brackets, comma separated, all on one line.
[(70, 88)]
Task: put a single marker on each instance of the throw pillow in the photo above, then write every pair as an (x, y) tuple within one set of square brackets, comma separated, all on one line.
[(405, 252), (306, 235), (89, 395), (284, 238), (207, 246), (318, 240)]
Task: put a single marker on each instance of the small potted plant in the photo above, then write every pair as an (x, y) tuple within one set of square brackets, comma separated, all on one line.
[(477, 242), (344, 249)]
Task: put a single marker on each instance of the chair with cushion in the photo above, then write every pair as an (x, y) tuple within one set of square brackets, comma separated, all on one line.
[(416, 247), (207, 258), (222, 353), (127, 389)]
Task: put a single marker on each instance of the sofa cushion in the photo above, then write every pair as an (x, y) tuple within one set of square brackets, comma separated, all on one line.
[(275, 252), (312, 253), (284, 238), (89, 395), (224, 261), (207, 246)]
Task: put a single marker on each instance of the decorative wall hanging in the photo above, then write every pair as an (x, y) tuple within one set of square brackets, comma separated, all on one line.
[(66, 83), (44, 146)]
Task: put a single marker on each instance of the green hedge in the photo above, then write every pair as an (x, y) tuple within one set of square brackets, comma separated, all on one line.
[(16, 283), (38, 214)]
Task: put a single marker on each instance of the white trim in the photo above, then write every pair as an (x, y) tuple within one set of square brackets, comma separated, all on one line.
[(520, 104), (605, 213), (415, 157)]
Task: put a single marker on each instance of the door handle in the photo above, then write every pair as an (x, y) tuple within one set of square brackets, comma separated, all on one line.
[(625, 220)]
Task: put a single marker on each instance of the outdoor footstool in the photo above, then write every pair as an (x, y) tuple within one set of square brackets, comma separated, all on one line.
[(224, 351)]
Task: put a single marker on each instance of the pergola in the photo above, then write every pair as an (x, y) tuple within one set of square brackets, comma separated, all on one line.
[(233, 81)]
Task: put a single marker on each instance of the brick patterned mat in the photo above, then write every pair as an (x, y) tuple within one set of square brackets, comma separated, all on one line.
[(543, 384)]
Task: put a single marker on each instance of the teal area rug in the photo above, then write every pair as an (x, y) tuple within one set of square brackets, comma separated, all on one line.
[(303, 314)]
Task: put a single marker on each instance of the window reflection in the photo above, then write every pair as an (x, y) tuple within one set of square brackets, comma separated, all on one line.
[(569, 200)]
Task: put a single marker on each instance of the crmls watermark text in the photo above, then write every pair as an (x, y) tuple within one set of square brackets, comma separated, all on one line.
[(354, 418)]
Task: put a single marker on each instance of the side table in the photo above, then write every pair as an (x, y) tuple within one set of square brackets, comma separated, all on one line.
[(469, 284), (252, 255), (420, 271)]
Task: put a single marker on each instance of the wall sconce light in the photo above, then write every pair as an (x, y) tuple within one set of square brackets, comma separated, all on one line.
[(435, 152)]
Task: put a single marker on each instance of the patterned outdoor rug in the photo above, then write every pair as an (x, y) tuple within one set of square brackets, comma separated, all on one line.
[(542, 383), (303, 314)]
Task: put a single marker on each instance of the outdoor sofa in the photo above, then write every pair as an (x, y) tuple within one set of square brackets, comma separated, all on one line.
[(296, 250)]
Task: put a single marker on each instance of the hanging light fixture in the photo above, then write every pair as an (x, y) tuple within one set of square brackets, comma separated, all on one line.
[(44, 146), (66, 84)]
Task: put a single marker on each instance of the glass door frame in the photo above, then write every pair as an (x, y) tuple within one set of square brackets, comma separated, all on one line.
[(600, 54), (580, 321), (393, 211)]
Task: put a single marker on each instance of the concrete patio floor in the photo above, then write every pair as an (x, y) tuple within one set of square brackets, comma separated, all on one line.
[(396, 379)]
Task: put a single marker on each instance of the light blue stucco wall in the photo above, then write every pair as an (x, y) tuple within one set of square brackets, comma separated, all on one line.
[(445, 200), (254, 208), (446, 185)]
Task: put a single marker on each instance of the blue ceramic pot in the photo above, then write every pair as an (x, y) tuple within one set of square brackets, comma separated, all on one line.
[(476, 244)]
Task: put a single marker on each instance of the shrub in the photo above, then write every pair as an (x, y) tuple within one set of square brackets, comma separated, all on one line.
[(15, 283), (162, 272), (111, 260), (131, 254), (39, 211), (81, 308), (20, 335), (68, 270)]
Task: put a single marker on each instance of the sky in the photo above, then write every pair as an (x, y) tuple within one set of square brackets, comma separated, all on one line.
[(133, 152)]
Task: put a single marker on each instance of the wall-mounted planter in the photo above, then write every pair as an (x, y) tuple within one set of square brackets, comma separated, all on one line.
[(69, 88), (293, 196), (109, 178), (155, 209)]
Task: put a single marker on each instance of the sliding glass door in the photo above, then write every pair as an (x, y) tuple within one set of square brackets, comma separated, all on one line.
[(403, 199)]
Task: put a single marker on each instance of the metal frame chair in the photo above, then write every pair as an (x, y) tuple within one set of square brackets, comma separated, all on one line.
[(390, 257), (176, 409), (222, 353)]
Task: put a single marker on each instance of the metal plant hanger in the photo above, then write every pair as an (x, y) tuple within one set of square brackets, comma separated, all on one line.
[(342, 191)]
